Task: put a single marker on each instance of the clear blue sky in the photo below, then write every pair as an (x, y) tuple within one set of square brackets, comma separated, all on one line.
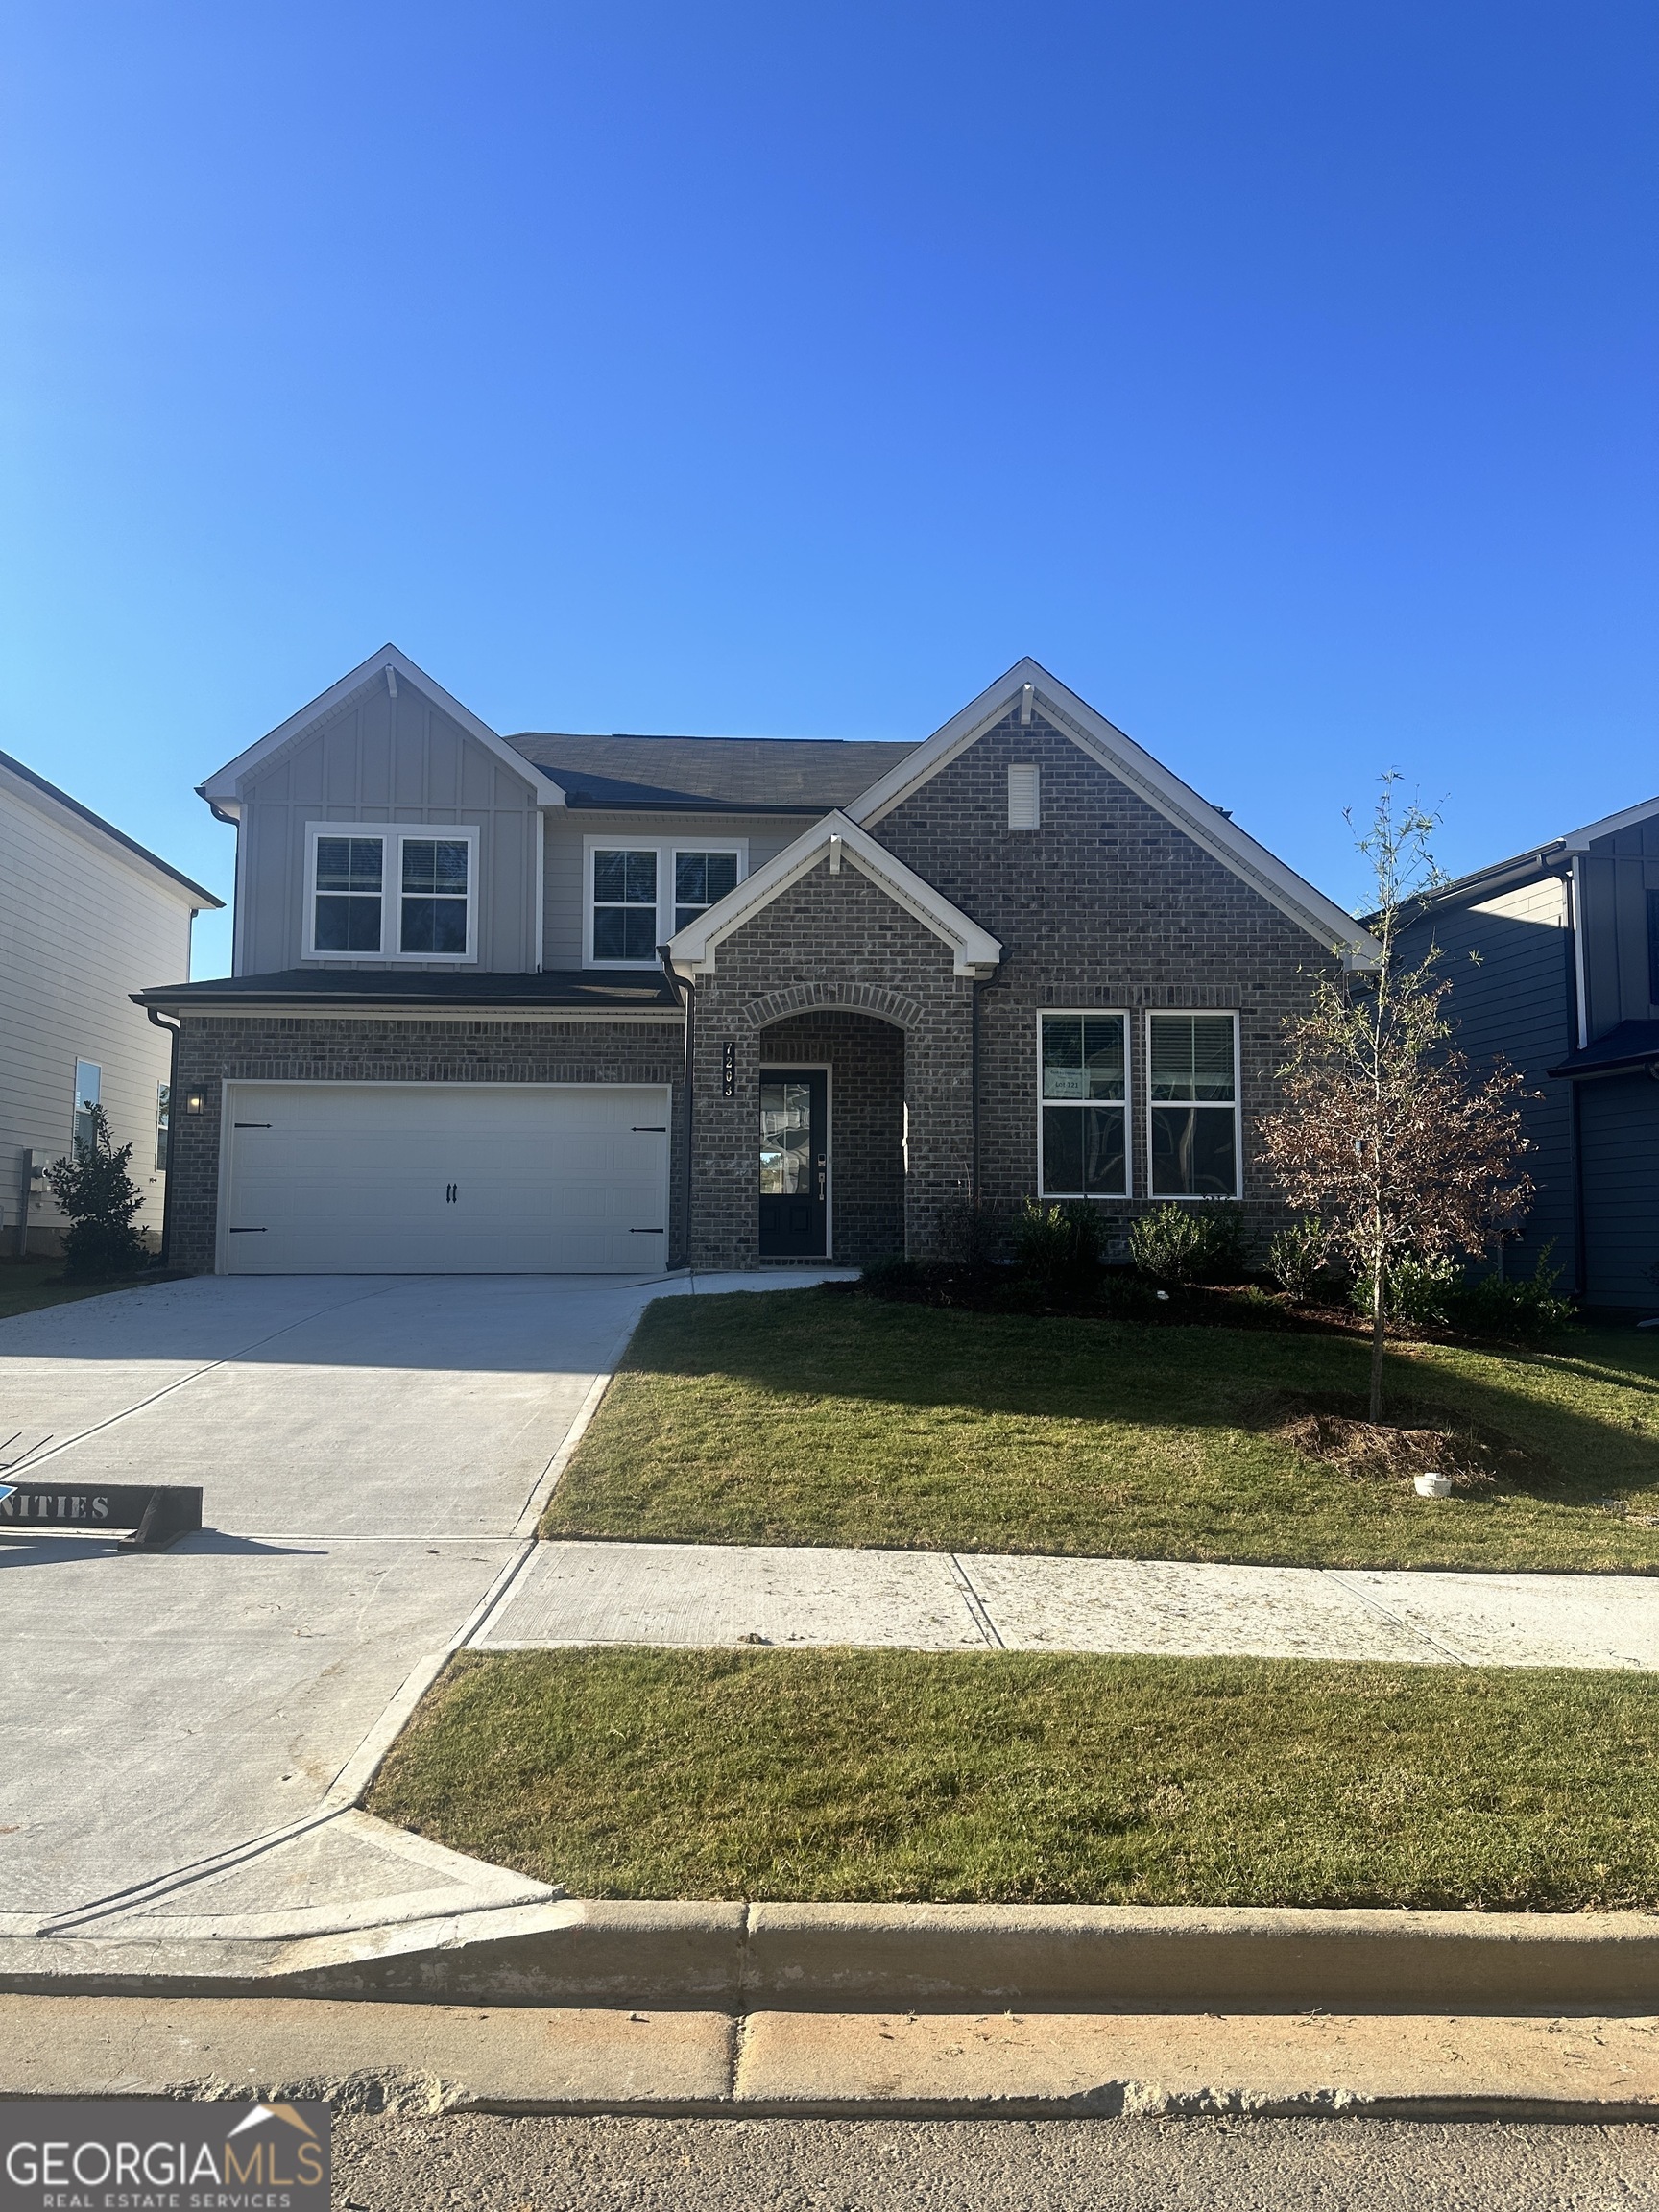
[(1282, 376)]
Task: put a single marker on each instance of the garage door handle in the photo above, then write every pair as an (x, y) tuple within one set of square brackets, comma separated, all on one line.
[(249, 1124), (644, 1232), (648, 1129), (246, 1231)]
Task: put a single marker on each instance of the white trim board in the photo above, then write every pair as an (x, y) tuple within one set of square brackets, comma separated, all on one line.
[(222, 789), (974, 950), (1581, 840), (1028, 684)]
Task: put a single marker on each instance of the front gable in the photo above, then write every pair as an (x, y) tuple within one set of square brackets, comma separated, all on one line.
[(1028, 711), (385, 748)]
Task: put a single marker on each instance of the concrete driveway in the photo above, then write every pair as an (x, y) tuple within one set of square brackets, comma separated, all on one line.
[(373, 1452)]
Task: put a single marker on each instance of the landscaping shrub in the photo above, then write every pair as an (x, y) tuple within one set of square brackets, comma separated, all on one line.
[(1188, 1245), (893, 1271), (100, 1197), (1296, 1258), (1059, 1246), (1525, 1309)]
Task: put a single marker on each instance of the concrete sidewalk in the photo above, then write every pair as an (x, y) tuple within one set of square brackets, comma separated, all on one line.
[(427, 2059), (705, 1594)]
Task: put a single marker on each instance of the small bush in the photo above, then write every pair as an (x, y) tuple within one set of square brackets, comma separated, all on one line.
[(1059, 1246), (1188, 1245), (893, 1271), (100, 1197), (1524, 1309), (1296, 1258)]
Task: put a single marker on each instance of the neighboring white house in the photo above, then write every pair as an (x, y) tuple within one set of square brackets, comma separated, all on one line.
[(87, 916)]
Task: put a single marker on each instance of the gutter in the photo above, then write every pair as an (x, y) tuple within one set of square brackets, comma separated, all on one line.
[(172, 1028), (685, 990)]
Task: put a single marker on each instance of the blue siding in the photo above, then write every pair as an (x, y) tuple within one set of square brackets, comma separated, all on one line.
[(1618, 1129), (1508, 965)]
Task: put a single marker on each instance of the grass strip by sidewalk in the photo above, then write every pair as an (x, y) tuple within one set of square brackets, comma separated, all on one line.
[(809, 1417), (1007, 1777)]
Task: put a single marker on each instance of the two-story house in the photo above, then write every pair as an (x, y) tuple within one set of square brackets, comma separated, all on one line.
[(86, 914), (630, 1003), (1553, 961)]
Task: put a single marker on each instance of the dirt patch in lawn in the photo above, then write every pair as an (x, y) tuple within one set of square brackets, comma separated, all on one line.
[(1424, 1440)]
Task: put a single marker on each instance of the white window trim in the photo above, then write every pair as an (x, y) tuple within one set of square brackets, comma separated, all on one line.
[(1099, 1013), (664, 848), (392, 835), (1198, 1198)]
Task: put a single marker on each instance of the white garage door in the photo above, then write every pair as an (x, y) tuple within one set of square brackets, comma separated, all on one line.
[(445, 1178)]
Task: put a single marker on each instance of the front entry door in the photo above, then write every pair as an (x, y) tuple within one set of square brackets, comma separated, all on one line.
[(794, 1163)]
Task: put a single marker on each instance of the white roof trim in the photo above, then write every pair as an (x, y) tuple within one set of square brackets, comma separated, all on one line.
[(1579, 840), (974, 950), (1177, 802), (222, 789)]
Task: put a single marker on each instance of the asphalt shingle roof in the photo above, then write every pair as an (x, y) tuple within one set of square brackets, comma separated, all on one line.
[(743, 775)]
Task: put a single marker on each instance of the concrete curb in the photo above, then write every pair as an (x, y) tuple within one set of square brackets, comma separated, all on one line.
[(426, 2060), (925, 1958)]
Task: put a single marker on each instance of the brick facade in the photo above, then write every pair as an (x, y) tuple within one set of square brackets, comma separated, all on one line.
[(1107, 904), (829, 944), (214, 1050), (866, 1061)]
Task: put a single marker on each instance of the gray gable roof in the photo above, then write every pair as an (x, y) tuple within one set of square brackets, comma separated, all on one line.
[(732, 775)]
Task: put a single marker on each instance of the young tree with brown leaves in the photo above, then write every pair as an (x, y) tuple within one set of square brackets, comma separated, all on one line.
[(1402, 1149)]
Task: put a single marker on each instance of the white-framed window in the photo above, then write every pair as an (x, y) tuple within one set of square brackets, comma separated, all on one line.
[(1193, 1134), (703, 875), (89, 1089), (1083, 1104), (391, 891), (640, 891)]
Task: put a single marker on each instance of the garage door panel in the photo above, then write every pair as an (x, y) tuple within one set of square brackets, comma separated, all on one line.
[(356, 1178)]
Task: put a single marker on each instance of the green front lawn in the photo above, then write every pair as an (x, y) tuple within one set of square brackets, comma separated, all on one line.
[(814, 1417), (1010, 1777)]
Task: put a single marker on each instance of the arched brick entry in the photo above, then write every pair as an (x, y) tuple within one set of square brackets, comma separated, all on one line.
[(865, 1056), (832, 998)]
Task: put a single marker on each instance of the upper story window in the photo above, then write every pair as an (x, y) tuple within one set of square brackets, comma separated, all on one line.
[(625, 903), (1083, 1129), (434, 896), (639, 895), (392, 894), (700, 879), (1192, 1084), (350, 879)]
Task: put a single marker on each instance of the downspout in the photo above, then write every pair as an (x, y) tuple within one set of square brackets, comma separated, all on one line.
[(973, 1108), (172, 1030), (685, 990), (1580, 1027)]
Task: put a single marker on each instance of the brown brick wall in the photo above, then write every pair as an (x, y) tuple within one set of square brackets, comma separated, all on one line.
[(866, 1062), (264, 1048), (829, 944), (1108, 904)]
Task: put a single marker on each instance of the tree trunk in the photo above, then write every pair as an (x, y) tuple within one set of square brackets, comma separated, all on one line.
[(1376, 1412)]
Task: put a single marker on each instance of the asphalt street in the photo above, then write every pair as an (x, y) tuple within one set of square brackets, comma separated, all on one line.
[(607, 2165)]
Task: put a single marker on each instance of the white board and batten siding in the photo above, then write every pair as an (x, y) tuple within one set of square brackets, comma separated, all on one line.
[(83, 924), (444, 1178)]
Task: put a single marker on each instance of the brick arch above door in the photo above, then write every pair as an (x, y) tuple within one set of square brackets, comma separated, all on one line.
[(872, 998)]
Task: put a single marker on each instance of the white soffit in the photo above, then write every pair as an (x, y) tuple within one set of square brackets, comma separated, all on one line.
[(1132, 765), (974, 950), (222, 789)]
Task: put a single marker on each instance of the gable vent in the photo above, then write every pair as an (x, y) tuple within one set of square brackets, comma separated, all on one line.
[(1024, 797)]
